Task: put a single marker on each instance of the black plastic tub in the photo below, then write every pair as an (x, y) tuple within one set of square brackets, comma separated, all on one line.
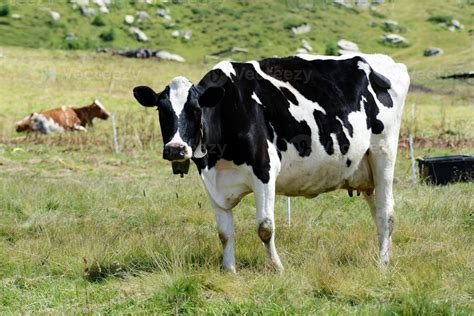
[(447, 169)]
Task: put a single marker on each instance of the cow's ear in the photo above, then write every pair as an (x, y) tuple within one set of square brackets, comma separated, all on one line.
[(211, 97), (146, 96)]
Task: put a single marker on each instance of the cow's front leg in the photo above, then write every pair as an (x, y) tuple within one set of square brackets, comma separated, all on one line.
[(265, 203), (225, 228)]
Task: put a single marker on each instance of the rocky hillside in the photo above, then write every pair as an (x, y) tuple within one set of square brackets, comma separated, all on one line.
[(411, 31)]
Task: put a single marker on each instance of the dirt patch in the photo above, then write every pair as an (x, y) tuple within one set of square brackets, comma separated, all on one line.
[(441, 142), (420, 88)]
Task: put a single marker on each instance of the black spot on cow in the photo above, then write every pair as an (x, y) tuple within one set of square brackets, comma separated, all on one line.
[(348, 163), (338, 86)]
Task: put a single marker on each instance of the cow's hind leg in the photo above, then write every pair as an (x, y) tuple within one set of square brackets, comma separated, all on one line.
[(382, 160), (225, 228), (265, 203)]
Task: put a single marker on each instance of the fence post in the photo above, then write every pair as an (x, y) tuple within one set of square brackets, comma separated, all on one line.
[(288, 211), (114, 127), (412, 157)]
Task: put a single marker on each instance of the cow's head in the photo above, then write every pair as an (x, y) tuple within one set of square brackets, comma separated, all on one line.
[(25, 124), (98, 110), (180, 113)]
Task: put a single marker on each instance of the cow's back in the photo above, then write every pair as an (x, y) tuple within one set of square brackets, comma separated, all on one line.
[(328, 114), (64, 116)]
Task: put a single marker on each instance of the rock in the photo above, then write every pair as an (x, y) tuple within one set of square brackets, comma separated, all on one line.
[(86, 11), (164, 13), (139, 34), (16, 16), (433, 51), (148, 1), (306, 46), (164, 55), (186, 35), (70, 36), (362, 3), (456, 24), (143, 15), (451, 28), (347, 45), (302, 29), (301, 51), (394, 39), (129, 19), (377, 2), (373, 23), (104, 9), (175, 33), (84, 3), (390, 23), (342, 3), (54, 15), (102, 4)]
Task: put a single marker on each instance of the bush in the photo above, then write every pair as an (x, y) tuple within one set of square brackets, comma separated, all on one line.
[(98, 21), (441, 18), (5, 10), (108, 36), (332, 49), (288, 24)]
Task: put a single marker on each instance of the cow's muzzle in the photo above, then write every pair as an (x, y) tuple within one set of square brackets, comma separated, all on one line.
[(175, 153)]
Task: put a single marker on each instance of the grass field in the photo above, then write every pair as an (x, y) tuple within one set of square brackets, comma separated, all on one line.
[(87, 231)]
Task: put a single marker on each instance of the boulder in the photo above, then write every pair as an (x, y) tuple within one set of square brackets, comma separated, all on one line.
[(175, 33), (306, 46), (186, 35), (390, 23), (81, 2), (302, 29), (164, 55), (433, 51), (143, 15), (347, 47), (342, 3), (70, 36), (86, 11), (301, 51), (362, 3), (394, 39), (164, 13), (373, 23), (102, 4), (139, 34), (129, 19), (457, 24), (54, 15), (377, 2)]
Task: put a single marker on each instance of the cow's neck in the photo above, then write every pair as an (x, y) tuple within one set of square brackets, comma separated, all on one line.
[(213, 130), (84, 114)]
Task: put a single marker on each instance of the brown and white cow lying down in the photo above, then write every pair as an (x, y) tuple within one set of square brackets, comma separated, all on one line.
[(64, 118)]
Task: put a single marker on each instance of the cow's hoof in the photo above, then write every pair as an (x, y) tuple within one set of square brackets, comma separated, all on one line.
[(230, 269)]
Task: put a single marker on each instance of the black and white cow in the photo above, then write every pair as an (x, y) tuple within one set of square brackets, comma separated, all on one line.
[(297, 126)]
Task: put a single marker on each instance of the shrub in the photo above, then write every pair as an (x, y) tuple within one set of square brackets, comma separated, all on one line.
[(288, 24), (98, 21), (331, 49), (5, 10), (108, 36), (441, 18)]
